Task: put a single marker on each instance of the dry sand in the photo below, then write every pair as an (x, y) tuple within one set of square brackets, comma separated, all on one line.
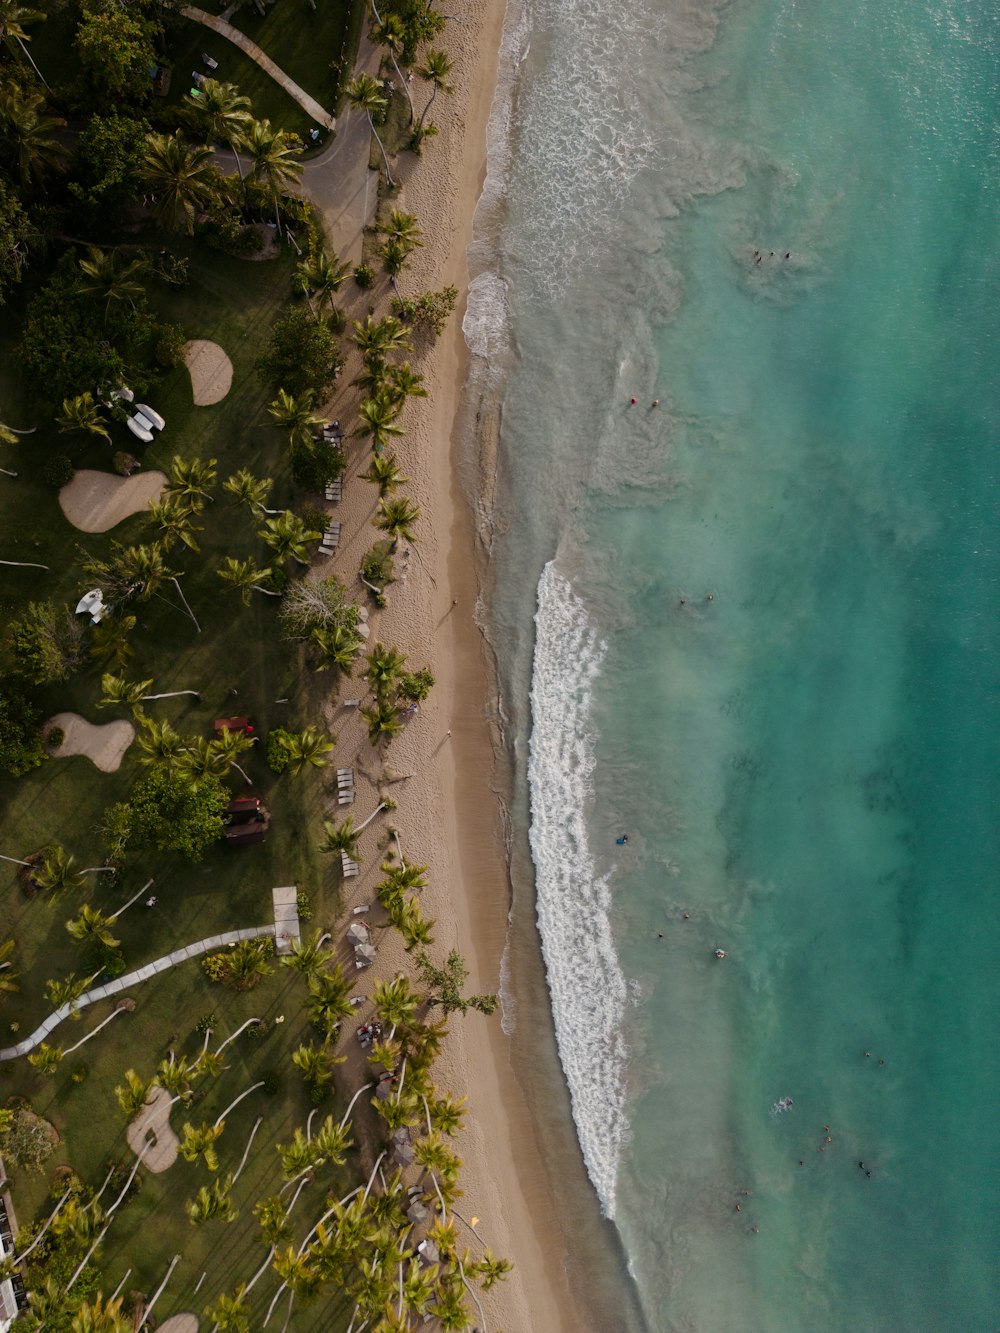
[(103, 744), (448, 817), (97, 501), (155, 1117), (210, 369)]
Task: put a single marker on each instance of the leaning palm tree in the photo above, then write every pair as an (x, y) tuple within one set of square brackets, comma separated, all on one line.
[(383, 720), (200, 759), (28, 134), (46, 1059), (9, 434), (376, 338), (396, 518), (405, 382), (274, 157), (101, 1316), (56, 870), (223, 115), (182, 177), (251, 491), (321, 275), (111, 639), (388, 31), (402, 228), (92, 927), (103, 277), (308, 956), (338, 647), (435, 69), (396, 1003), (82, 414), (67, 991), (366, 94), (133, 1095), (305, 748), (340, 838), (116, 690), (229, 745), (378, 419), (14, 21), (160, 743), (212, 1203), (296, 416), (192, 479), (230, 1314), (199, 1142), (8, 978), (328, 1003), (175, 519), (245, 576), (384, 472), (287, 535), (383, 668)]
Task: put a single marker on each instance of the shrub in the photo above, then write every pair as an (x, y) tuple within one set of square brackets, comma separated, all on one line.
[(169, 350), (125, 464), (243, 967), (277, 750), (27, 1140), (207, 1023), (377, 569), (301, 355), (428, 310), (55, 738), (20, 740), (364, 276), (303, 905), (414, 686), (46, 643), (271, 1083), (80, 1073), (257, 1031), (58, 470)]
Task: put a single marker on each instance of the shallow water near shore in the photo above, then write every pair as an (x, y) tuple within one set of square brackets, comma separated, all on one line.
[(755, 627)]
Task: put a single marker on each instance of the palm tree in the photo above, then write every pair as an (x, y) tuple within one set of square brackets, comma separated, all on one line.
[(101, 1316), (307, 956), (182, 178), (389, 32), (338, 647), (402, 228), (102, 277), (251, 491), (191, 479), (329, 1001), (28, 134), (14, 20), (395, 257), (333, 1140), (56, 870), (67, 991), (376, 338), (160, 742), (491, 1269), (435, 69), (306, 747), (111, 639), (274, 156), (246, 577), (199, 1142), (212, 1203), (316, 1064), (46, 1059), (230, 1314), (396, 518), (201, 759), (384, 472), (229, 745), (341, 838), (174, 517), (92, 927), (414, 926), (321, 275), (405, 382), (383, 667), (223, 114), (395, 1002), (378, 419), (446, 1114), (9, 434), (366, 93), (133, 1094), (383, 720), (287, 535), (296, 415), (117, 690), (82, 414)]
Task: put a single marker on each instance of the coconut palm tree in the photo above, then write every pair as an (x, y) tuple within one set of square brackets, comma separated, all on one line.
[(101, 1316), (212, 1203), (200, 759), (307, 747), (286, 536), (191, 479), (414, 926), (492, 1269), (274, 157), (28, 134), (321, 275), (328, 1002), (333, 1140), (378, 419), (181, 176), (103, 277), (307, 956), (133, 1094), (383, 720), (338, 647), (160, 743), (82, 414), (402, 228), (14, 21), (396, 518), (67, 991), (46, 1059), (222, 114), (394, 1001), (175, 519), (435, 69), (116, 690), (395, 257), (56, 870), (200, 1143), (340, 838), (92, 927), (251, 491), (376, 338), (384, 472), (245, 576), (111, 639), (229, 745), (316, 1064), (230, 1314), (296, 416), (405, 382), (382, 669), (388, 32), (366, 94)]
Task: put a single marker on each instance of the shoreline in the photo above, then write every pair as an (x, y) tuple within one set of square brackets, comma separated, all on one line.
[(449, 816)]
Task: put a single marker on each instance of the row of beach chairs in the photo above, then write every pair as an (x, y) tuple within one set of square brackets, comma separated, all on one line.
[(345, 786), (331, 539)]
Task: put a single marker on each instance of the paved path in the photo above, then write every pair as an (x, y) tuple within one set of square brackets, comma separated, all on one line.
[(132, 979), (224, 29)]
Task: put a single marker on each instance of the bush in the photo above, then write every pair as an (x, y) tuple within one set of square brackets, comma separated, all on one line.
[(55, 738), (28, 1140), (301, 355), (243, 966), (169, 349), (80, 1073), (257, 1031), (164, 810), (271, 1083), (277, 751), (428, 310), (364, 276), (377, 569), (20, 741), (46, 643), (58, 470), (125, 464), (303, 905), (207, 1023)]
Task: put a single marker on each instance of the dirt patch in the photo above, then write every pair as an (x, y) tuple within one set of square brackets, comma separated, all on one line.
[(96, 501), (210, 369), (103, 745), (154, 1121)]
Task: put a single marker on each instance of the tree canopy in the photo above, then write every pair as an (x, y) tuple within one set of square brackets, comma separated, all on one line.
[(170, 811)]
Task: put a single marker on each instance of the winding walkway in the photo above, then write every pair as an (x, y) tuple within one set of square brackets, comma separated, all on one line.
[(224, 29), (132, 979)]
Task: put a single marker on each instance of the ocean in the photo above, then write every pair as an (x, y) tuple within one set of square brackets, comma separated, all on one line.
[(749, 623)]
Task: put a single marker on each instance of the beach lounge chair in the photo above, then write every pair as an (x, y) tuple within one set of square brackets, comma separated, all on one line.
[(140, 428), (349, 866), (154, 419), (345, 783), (346, 797), (208, 62)]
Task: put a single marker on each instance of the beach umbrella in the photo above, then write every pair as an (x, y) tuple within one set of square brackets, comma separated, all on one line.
[(416, 1212), (364, 954), (357, 933)]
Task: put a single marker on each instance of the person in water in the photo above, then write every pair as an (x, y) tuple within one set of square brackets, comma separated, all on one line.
[(622, 840)]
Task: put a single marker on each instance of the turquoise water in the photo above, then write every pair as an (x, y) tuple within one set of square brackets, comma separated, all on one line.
[(766, 641)]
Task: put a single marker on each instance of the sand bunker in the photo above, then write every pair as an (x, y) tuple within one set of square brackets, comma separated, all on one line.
[(180, 1323), (154, 1120), (96, 501), (104, 745), (210, 369)]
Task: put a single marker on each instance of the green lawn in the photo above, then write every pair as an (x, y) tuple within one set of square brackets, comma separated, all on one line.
[(232, 302)]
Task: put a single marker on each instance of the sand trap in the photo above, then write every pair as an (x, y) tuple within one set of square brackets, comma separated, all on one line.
[(180, 1323), (210, 369), (103, 745), (96, 501), (155, 1116)]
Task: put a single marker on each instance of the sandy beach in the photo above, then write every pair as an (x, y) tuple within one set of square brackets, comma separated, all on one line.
[(440, 767)]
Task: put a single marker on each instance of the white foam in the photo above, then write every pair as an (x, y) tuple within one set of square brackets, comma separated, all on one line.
[(588, 989)]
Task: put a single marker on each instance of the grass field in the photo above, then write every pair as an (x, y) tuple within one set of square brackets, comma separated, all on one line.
[(232, 302)]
